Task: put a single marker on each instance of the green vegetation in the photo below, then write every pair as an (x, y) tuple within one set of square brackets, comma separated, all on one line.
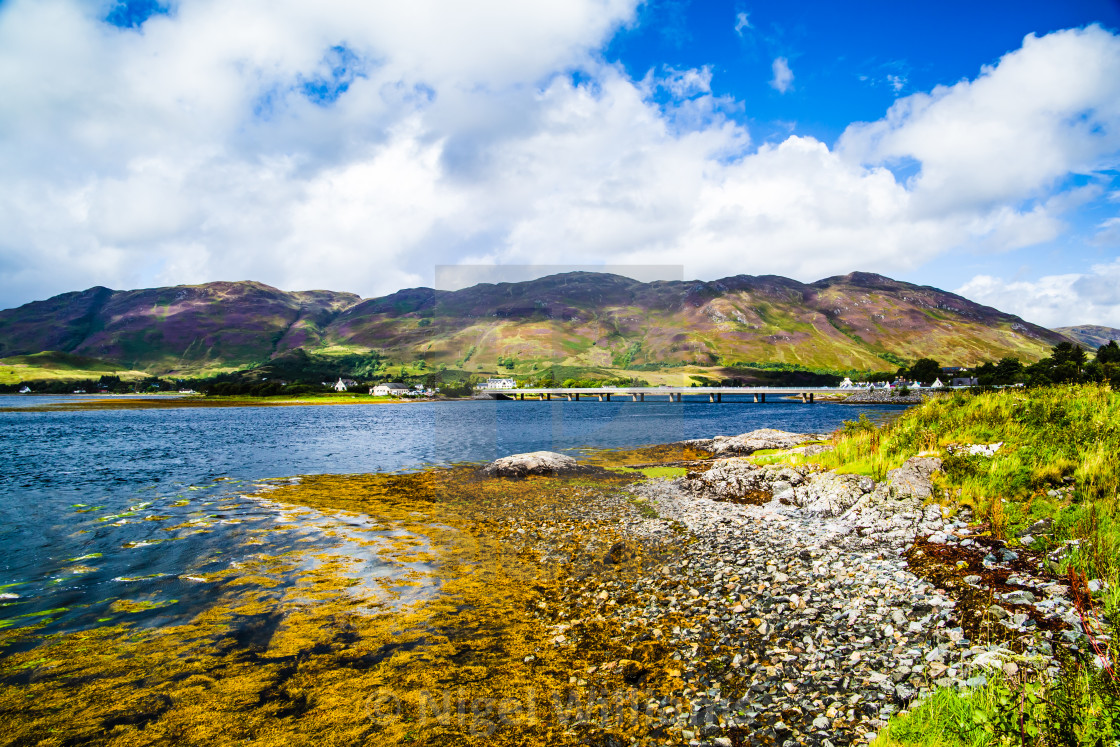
[(1056, 462)]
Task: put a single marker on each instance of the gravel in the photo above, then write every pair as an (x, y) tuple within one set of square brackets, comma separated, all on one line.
[(794, 614)]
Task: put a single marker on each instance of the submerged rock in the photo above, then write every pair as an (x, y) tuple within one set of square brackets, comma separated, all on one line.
[(533, 463)]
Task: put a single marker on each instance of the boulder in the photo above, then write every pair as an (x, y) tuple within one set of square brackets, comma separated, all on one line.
[(533, 463), (831, 494), (915, 478), (739, 481), (748, 443)]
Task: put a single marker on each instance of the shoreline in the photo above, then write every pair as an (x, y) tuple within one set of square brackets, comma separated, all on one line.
[(731, 601)]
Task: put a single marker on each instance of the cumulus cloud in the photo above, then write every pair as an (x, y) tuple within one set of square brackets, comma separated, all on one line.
[(1055, 300), (1043, 112), (783, 76), (358, 145)]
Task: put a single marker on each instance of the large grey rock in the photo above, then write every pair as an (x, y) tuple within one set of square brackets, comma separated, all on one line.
[(915, 478), (740, 481), (533, 463), (748, 443), (831, 494)]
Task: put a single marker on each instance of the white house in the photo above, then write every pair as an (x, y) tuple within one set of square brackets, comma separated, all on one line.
[(343, 384), (499, 384), (846, 384), (385, 390), (936, 384)]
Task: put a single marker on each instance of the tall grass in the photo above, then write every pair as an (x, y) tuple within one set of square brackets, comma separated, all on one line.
[(1059, 462), (1053, 437)]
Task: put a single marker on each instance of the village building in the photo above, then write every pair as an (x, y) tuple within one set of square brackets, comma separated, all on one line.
[(343, 385), (391, 389), (499, 384)]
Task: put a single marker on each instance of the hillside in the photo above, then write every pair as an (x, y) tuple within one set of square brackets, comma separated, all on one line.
[(188, 327), (1090, 335), (581, 320), (857, 321)]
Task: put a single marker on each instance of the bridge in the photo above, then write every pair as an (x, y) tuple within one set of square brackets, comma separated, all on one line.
[(669, 393)]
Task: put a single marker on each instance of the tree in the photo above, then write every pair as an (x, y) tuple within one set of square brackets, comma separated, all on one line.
[(924, 370), (1109, 353)]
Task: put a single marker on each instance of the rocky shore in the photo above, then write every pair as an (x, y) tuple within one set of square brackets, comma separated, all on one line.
[(889, 397), (805, 607)]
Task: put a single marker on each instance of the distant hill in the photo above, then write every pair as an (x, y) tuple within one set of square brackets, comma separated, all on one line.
[(582, 320), (1090, 335), (187, 327)]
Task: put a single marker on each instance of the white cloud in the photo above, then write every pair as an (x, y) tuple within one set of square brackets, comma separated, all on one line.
[(1055, 300), (742, 23), (783, 76), (207, 146), (688, 83), (1046, 110)]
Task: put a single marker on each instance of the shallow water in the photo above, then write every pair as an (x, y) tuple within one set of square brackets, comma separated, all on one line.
[(98, 506)]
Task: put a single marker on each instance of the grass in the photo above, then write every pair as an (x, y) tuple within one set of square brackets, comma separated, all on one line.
[(55, 366), (1057, 462)]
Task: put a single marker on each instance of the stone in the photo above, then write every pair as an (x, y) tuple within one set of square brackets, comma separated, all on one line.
[(1019, 596), (997, 612), (748, 443), (914, 478), (533, 463), (619, 553)]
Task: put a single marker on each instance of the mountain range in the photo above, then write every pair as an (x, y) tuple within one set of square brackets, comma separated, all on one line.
[(1090, 335), (860, 321)]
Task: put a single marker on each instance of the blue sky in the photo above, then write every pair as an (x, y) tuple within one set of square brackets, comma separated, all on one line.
[(359, 146), (850, 62)]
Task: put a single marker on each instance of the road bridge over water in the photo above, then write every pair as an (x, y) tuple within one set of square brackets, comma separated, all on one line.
[(669, 393)]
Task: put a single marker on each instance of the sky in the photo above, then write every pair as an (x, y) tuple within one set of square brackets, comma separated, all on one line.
[(368, 146)]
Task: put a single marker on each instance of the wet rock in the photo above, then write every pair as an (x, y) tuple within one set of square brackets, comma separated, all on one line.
[(619, 553), (533, 463), (748, 443)]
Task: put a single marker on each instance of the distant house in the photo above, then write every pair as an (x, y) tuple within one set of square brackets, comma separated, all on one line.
[(25, 390), (344, 384), (936, 384), (385, 390), (499, 384), (846, 384), (965, 381)]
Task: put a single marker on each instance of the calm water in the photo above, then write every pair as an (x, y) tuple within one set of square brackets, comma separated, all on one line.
[(98, 505)]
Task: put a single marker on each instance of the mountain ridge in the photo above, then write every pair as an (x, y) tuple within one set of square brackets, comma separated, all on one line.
[(1091, 336), (858, 321)]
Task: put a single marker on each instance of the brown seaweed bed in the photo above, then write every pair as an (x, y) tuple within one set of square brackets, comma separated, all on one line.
[(330, 660)]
